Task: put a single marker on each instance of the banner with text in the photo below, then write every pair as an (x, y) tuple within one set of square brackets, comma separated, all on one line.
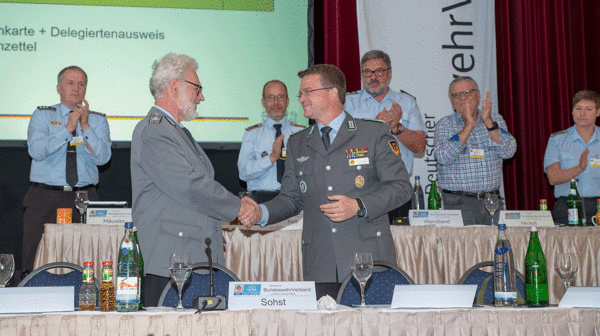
[(430, 42)]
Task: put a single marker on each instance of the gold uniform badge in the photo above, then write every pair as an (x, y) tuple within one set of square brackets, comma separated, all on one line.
[(394, 146)]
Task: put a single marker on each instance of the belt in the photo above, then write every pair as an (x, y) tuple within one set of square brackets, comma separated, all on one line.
[(478, 195), (61, 188)]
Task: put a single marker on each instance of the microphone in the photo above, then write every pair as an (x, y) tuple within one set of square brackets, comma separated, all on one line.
[(212, 301)]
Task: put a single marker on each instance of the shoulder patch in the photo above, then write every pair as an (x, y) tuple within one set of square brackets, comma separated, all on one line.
[(408, 93), (558, 133), (155, 118), (98, 113), (52, 108), (254, 126), (352, 93), (296, 125)]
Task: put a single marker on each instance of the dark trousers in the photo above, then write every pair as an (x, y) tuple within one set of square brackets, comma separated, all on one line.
[(154, 287), (327, 288), (399, 212), (40, 208), (559, 213)]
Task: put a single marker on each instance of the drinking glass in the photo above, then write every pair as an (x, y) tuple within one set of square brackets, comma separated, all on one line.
[(180, 267), (362, 269), (492, 201), (81, 202), (566, 267), (7, 268)]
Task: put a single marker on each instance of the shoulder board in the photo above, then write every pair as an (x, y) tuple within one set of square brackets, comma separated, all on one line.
[(352, 93), (296, 125), (407, 93), (375, 120), (98, 113), (559, 133), (254, 126), (52, 108)]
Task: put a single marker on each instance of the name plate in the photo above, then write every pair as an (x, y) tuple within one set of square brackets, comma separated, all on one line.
[(272, 295), (433, 296), (36, 299), (526, 218), (108, 216), (581, 297), (435, 217)]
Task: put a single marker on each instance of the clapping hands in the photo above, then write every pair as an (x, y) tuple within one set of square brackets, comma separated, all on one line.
[(250, 213)]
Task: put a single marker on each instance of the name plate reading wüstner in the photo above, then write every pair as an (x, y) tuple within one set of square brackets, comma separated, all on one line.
[(435, 217), (272, 295), (526, 218)]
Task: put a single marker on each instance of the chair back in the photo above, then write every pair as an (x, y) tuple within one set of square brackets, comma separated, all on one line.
[(485, 283), (198, 285), (379, 288), (40, 277)]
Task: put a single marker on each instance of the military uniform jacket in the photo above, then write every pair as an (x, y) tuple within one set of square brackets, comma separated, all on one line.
[(176, 201), (378, 177)]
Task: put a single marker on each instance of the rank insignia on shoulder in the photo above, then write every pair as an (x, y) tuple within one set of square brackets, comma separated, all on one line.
[(253, 127), (296, 125), (155, 118), (558, 133), (263, 154), (98, 113), (352, 93), (394, 147), (55, 123), (407, 93), (51, 108), (375, 120)]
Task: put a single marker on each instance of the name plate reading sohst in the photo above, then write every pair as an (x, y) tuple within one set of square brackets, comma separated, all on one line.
[(526, 218), (117, 216), (435, 217), (272, 295)]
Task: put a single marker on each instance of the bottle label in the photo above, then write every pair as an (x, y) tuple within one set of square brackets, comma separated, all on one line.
[(127, 246), (573, 216), (501, 250), (88, 275), (107, 275), (505, 295), (127, 286)]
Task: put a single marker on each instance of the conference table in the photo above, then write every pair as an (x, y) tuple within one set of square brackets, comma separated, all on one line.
[(428, 254)]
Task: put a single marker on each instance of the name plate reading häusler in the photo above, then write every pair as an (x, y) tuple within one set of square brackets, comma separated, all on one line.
[(526, 218), (114, 216), (435, 217), (272, 295)]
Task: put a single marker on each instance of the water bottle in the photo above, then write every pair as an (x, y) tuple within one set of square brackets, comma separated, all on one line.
[(127, 273), (87, 291), (435, 200), (505, 292), (418, 198), (536, 274)]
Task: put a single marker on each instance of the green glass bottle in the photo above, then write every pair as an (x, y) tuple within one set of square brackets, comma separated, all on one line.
[(435, 200), (140, 267), (536, 274), (574, 206)]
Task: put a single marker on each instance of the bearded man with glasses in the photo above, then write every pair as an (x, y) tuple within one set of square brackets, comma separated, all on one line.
[(470, 145)]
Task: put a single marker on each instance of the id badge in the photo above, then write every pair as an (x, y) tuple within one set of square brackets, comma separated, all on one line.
[(477, 153), (595, 162), (283, 152), (77, 140)]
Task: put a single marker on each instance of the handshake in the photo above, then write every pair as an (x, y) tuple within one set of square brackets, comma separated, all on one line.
[(250, 213)]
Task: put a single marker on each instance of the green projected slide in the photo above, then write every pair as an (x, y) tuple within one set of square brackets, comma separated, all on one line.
[(255, 5), (237, 52)]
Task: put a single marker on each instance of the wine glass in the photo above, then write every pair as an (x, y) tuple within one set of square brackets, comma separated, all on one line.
[(81, 202), (566, 267), (180, 267), (362, 269), (7, 268), (491, 201)]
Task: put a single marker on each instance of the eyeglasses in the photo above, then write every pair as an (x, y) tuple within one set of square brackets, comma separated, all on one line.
[(198, 87), (300, 94), (378, 72), (466, 93), (273, 98)]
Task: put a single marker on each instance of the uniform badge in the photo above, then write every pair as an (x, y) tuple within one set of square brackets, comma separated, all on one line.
[(55, 123), (155, 118), (351, 125), (303, 186), (358, 162), (302, 159), (359, 181), (354, 153), (394, 146), (263, 154)]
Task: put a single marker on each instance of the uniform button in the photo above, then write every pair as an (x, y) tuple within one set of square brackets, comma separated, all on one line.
[(330, 188), (300, 173), (328, 167), (181, 234), (358, 167), (378, 234), (334, 230)]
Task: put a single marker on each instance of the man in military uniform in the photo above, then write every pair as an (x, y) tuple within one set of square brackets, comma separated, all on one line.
[(177, 203), (398, 109), (346, 174), (67, 142), (261, 162)]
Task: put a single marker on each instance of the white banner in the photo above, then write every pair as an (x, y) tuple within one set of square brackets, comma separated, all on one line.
[(430, 42)]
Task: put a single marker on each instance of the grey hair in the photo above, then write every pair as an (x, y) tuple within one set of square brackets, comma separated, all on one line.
[(376, 54), (460, 79), (62, 73), (171, 66)]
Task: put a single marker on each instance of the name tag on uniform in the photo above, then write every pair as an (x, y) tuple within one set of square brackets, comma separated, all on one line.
[(359, 161), (595, 162), (477, 153), (283, 152), (77, 140)]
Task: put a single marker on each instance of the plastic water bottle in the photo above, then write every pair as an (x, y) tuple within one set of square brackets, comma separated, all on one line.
[(127, 273), (505, 292), (418, 198), (87, 291)]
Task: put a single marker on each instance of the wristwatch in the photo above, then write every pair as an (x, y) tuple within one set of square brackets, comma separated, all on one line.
[(362, 211), (493, 128), (400, 129)]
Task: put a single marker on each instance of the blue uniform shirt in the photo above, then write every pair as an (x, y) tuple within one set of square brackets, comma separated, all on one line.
[(47, 141), (254, 164), (362, 105), (566, 147)]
